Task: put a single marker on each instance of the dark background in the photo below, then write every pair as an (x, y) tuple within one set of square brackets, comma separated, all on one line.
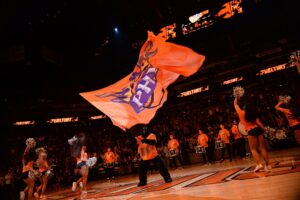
[(52, 50)]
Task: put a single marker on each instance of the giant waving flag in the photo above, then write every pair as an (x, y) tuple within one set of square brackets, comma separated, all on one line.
[(136, 98)]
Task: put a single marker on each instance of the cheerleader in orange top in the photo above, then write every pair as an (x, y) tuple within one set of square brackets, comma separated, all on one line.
[(203, 142), (174, 153), (285, 106), (28, 175), (249, 119), (43, 166), (224, 137), (148, 152)]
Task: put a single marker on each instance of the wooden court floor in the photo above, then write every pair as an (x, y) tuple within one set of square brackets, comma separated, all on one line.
[(220, 181)]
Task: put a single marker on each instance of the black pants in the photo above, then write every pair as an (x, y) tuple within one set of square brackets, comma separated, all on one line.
[(207, 156), (239, 147), (109, 172), (210, 152), (144, 165), (228, 148), (173, 162)]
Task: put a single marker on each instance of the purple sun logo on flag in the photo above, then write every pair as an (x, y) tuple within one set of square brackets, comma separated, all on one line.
[(140, 93)]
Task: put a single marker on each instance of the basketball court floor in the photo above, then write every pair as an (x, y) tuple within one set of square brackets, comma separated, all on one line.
[(220, 181)]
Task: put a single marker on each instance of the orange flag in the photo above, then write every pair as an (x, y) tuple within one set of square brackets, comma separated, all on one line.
[(136, 98)]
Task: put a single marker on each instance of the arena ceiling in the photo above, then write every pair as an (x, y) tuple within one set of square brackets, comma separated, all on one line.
[(52, 50)]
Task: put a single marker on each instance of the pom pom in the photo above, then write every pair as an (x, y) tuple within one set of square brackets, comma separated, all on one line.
[(280, 135), (91, 162), (50, 173), (72, 140), (238, 92), (295, 57), (285, 99), (40, 150), (30, 143), (270, 133)]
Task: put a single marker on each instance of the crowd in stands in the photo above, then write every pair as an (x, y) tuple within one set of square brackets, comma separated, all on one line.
[(183, 121)]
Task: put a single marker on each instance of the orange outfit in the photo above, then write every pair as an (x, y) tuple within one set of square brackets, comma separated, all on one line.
[(173, 144), (147, 151), (292, 120), (109, 157), (202, 140), (224, 136), (28, 167), (42, 162), (235, 131)]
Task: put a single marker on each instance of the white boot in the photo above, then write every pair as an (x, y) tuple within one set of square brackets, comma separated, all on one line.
[(258, 167), (22, 195), (74, 186)]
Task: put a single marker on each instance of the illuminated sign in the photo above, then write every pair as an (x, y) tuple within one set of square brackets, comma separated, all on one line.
[(63, 120), (197, 16), (204, 19), (233, 80), (229, 9), (194, 91), (168, 31), (98, 117), (198, 21), (273, 69), (24, 123)]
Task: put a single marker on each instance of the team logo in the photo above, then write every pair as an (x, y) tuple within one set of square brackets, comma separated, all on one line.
[(142, 83)]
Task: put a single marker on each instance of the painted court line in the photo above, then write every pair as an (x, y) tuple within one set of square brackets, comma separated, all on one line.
[(186, 183), (135, 189), (175, 182), (218, 177)]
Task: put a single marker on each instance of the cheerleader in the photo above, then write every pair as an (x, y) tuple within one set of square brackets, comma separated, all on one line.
[(78, 151), (43, 168), (249, 118), (28, 174), (285, 106)]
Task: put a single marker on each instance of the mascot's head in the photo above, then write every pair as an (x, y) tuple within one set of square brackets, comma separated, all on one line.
[(145, 131)]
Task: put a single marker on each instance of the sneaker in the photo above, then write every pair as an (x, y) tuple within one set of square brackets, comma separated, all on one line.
[(141, 184), (258, 167), (80, 185), (169, 180), (268, 168), (22, 195), (36, 195), (74, 186)]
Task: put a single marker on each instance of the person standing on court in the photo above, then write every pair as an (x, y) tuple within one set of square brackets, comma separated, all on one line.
[(148, 152)]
